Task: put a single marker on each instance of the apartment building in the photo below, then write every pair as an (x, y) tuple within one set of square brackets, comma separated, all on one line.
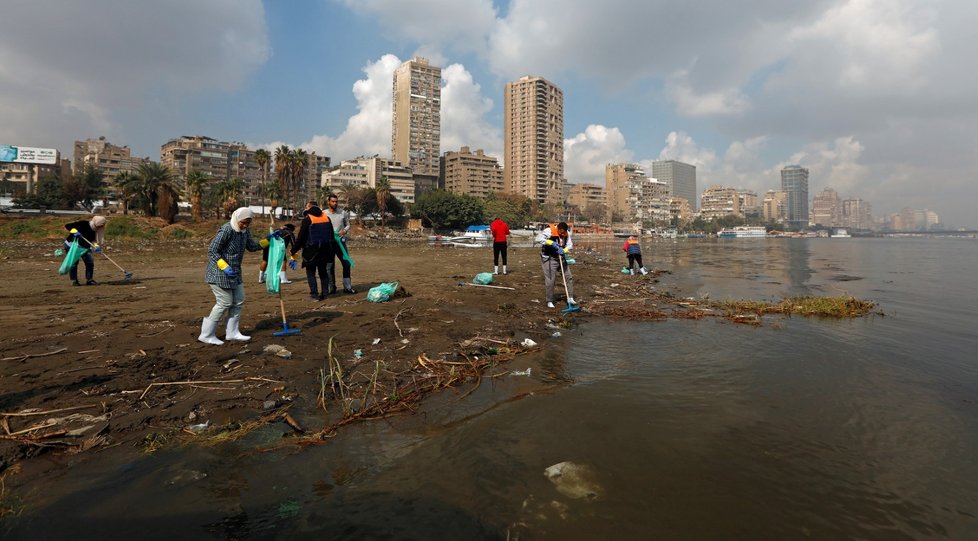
[(774, 206), (416, 123), (718, 202), (533, 139), (364, 172), (585, 195), (18, 178), (857, 214), (106, 157), (827, 208), (471, 173)]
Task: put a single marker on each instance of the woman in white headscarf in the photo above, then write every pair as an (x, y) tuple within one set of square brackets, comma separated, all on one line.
[(224, 276), (90, 234)]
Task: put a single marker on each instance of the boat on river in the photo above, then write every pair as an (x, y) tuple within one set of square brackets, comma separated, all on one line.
[(743, 232)]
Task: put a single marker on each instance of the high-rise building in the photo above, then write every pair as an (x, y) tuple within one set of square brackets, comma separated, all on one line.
[(624, 186), (106, 157), (679, 176), (718, 202), (533, 139), (471, 173), (774, 207), (794, 182), (827, 208), (416, 125), (364, 172)]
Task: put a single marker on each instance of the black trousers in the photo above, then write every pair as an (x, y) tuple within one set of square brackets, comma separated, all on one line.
[(635, 258), (324, 267), (498, 248), (343, 262)]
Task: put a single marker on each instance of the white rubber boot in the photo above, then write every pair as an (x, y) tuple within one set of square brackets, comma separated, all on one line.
[(644, 271), (495, 269), (261, 277), (233, 332), (282, 278), (207, 332), (631, 271), (570, 300), (504, 269)]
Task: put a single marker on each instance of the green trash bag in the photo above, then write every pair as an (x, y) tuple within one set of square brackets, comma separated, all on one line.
[(624, 270), (346, 256), (75, 251), (483, 278), (382, 293), (276, 255)]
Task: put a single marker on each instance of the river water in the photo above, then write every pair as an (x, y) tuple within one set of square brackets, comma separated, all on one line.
[(800, 428)]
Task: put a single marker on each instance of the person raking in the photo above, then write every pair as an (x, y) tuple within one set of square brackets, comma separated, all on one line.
[(555, 241), (90, 234)]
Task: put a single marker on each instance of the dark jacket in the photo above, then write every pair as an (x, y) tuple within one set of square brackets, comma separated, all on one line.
[(229, 245), (287, 237), (315, 237), (83, 227)]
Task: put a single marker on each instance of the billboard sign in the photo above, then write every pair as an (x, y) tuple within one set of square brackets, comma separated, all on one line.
[(47, 156)]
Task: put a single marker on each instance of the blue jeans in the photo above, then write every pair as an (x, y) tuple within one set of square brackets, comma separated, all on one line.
[(228, 300), (89, 267)]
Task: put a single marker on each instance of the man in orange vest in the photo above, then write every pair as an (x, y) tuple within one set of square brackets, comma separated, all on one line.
[(315, 239), (555, 242)]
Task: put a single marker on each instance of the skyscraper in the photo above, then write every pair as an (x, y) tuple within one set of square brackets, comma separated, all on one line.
[(794, 181), (533, 133), (680, 177), (416, 125)]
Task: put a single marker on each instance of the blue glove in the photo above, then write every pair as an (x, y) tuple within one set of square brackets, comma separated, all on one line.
[(560, 251), (96, 248), (293, 264), (228, 270), (274, 235)]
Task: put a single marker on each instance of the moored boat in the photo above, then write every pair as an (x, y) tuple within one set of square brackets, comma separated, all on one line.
[(743, 232)]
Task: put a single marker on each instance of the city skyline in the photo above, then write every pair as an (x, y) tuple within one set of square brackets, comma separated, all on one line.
[(867, 95)]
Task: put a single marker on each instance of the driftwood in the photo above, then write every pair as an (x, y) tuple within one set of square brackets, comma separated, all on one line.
[(32, 355), (198, 382), (32, 413)]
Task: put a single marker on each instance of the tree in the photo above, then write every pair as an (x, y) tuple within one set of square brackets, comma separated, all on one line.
[(282, 156), (595, 212), (87, 188), (382, 190), (194, 188), (47, 194), (360, 201), (228, 191), (262, 158), (514, 209), (125, 181), (445, 210), (154, 190), (298, 160)]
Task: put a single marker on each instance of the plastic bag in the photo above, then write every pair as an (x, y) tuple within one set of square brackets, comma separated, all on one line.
[(342, 246), (483, 278), (75, 251), (276, 255), (624, 270), (382, 293)]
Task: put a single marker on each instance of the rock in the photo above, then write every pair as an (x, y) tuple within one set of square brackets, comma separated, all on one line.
[(269, 404), (574, 480), (284, 353), (273, 348)]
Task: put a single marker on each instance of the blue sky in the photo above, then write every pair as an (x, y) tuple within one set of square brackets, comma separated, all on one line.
[(875, 97)]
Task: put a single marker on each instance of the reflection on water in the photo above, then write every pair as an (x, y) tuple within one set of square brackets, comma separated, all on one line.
[(693, 429)]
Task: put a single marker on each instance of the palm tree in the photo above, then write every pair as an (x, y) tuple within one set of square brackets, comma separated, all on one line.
[(274, 194), (343, 192), (282, 156), (229, 190), (154, 187), (194, 189), (383, 189), (297, 166), (262, 158)]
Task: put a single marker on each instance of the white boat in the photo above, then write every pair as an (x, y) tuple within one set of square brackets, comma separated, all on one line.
[(473, 236), (743, 232), (840, 233)]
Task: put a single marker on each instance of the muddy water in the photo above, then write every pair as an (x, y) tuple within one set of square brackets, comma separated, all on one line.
[(682, 429)]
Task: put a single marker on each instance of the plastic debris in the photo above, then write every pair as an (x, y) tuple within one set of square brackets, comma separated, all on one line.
[(272, 348), (59, 252), (483, 278), (556, 334), (574, 480), (521, 372), (198, 428), (405, 341), (527, 343), (284, 353), (376, 341), (358, 353), (624, 270), (382, 293)]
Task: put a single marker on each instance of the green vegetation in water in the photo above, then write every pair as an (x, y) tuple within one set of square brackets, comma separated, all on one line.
[(837, 307)]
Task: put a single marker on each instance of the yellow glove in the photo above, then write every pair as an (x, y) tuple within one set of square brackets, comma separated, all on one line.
[(225, 268), (549, 242), (73, 231), (263, 243)]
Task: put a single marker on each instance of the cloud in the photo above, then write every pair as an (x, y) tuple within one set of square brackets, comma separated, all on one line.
[(368, 131), (587, 153), (135, 55), (458, 24)]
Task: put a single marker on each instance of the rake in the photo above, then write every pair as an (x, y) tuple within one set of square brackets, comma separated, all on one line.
[(570, 307), (127, 274), (286, 331)]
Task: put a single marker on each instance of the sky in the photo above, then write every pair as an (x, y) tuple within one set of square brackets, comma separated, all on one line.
[(877, 98)]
